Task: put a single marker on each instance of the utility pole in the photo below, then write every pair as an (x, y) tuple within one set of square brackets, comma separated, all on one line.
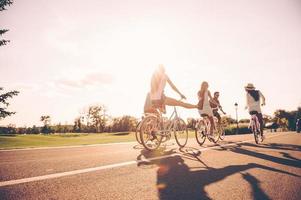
[(236, 108)]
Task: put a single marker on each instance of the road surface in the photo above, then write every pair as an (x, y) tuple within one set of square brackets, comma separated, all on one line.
[(237, 168)]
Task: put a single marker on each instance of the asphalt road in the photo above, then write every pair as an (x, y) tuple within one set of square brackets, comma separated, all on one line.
[(237, 168)]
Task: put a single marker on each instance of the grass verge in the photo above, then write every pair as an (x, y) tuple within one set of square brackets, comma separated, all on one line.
[(69, 139)]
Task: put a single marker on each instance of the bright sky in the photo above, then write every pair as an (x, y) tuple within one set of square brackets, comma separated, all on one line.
[(66, 55)]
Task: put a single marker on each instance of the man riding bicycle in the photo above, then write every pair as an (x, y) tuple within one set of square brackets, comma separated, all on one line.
[(215, 105), (254, 99)]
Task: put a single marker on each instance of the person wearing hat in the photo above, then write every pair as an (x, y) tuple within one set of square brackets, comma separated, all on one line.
[(255, 100)]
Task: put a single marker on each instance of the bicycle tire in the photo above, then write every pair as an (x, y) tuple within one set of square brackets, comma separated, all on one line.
[(149, 126), (255, 136), (200, 133), (222, 132), (181, 132), (215, 137)]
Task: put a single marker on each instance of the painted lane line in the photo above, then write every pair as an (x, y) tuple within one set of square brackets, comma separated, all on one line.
[(111, 166), (80, 171)]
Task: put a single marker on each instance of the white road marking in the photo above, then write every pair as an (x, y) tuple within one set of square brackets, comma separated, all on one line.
[(80, 171), (111, 166)]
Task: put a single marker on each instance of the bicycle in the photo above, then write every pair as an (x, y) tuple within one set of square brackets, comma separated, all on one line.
[(255, 128), (202, 130), (156, 129), (203, 127)]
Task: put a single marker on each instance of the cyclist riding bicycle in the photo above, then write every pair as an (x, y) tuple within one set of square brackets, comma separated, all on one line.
[(204, 107), (157, 99), (253, 100), (215, 105)]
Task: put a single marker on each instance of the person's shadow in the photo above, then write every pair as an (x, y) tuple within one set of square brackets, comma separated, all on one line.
[(175, 180)]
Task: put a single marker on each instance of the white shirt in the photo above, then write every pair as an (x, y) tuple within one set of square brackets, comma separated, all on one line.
[(252, 104)]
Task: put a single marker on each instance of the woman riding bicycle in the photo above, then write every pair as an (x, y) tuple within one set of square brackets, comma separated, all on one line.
[(156, 95), (204, 107), (254, 99)]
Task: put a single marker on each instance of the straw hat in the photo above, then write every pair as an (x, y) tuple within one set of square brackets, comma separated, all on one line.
[(250, 86)]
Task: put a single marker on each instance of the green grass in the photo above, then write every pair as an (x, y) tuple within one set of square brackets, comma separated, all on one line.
[(25, 141), (69, 139)]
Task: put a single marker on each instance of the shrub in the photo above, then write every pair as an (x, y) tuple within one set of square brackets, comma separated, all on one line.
[(242, 129)]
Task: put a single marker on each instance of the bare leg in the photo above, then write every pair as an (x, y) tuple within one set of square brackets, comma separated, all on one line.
[(173, 102), (212, 127)]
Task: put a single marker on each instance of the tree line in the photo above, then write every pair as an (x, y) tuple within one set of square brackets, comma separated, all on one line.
[(94, 119), (91, 120)]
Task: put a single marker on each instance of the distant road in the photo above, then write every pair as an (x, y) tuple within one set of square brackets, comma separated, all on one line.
[(237, 168)]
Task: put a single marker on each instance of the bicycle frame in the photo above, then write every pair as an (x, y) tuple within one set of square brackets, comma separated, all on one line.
[(167, 127)]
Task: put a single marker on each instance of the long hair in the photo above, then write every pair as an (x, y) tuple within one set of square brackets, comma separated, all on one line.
[(254, 94), (156, 78), (204, 86)]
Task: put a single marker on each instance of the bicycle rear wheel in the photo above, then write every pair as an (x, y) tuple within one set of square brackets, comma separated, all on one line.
[(150, 135), (200, 133), (222, 132), (215, 136), (181, 132)]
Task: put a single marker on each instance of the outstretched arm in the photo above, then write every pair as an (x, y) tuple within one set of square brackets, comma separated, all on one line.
[(247, 102), (175, 88), (262, 97)]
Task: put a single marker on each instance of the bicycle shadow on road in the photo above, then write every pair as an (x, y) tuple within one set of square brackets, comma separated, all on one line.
[(275, 146), (148, 158), (176, 180), (286, 158)]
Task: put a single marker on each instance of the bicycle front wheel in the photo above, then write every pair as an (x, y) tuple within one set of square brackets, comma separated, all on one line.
[(256, 135), (200, 132), (181, 132), (150, 133), (137, 133)]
